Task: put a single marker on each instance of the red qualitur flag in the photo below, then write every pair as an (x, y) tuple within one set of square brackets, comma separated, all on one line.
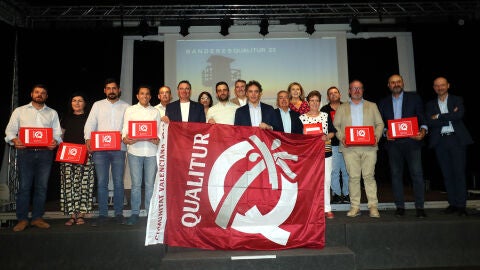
[(234, 187)]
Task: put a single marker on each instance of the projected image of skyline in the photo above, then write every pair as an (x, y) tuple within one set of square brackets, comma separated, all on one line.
[(275, 63)]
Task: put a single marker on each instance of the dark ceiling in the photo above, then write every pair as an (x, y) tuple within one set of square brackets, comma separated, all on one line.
[(104, 13)]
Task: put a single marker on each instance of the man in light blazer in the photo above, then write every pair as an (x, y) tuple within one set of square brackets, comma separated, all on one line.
[(240, 96), (289, 120), (360, 160), (256, 113), (184, 109), (449, 138)]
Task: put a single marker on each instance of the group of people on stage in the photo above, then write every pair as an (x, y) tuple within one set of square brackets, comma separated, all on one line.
[(345, 166)]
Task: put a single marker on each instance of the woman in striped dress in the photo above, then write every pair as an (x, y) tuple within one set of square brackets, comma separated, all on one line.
[(77, 180)]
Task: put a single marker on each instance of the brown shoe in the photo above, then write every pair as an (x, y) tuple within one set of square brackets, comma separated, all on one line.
[(374, 212), (21, 225), (40, 223), (354, 212)]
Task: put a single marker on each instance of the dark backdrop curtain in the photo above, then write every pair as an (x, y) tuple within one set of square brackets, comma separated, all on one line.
[(6, 79), (372, 61), (67, 61), (148, 68)]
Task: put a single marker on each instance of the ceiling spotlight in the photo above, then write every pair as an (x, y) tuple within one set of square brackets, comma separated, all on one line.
[(225, 25), (310, 26), (263, 27), (355, 26), (184, 25)]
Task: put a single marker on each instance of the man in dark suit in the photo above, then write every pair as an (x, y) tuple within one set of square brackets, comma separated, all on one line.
[(401, 104), (256, 113), (449, 137), (184, 109), (290, 120)]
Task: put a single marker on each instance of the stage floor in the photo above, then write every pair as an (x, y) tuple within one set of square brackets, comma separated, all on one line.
[(437, 242), (434, 199)]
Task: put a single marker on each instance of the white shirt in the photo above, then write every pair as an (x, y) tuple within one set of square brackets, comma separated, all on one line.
[(29, 116), (161, 109), (321, 118), (140, 113), (242, 101), (255, 114), (222, 113), (106, 116), (185, 110), (286, 121), (444, 109)]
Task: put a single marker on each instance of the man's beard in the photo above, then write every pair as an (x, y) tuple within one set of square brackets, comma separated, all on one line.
[(223, 99), (397, 89), (39, 100), (112, 96)]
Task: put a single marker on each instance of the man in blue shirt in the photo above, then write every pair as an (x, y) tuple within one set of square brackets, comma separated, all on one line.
[(401, 104)]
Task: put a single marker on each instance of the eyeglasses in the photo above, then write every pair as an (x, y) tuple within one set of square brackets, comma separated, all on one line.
[(356, 88), (204, 98)]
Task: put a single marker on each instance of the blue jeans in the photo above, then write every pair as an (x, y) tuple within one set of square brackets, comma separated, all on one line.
[(338, 165), (398, 155), (34, 168), (104, 161), (146, 168)]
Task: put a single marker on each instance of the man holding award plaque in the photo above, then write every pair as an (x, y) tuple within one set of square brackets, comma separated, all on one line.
[(360, 159), (139, 133), (34, 130), (402, 112), (106, 118)]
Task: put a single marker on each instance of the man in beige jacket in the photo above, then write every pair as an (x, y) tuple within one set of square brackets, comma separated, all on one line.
[(360, 160)]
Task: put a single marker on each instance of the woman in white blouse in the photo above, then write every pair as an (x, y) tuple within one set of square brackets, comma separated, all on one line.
[(316, 116)]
